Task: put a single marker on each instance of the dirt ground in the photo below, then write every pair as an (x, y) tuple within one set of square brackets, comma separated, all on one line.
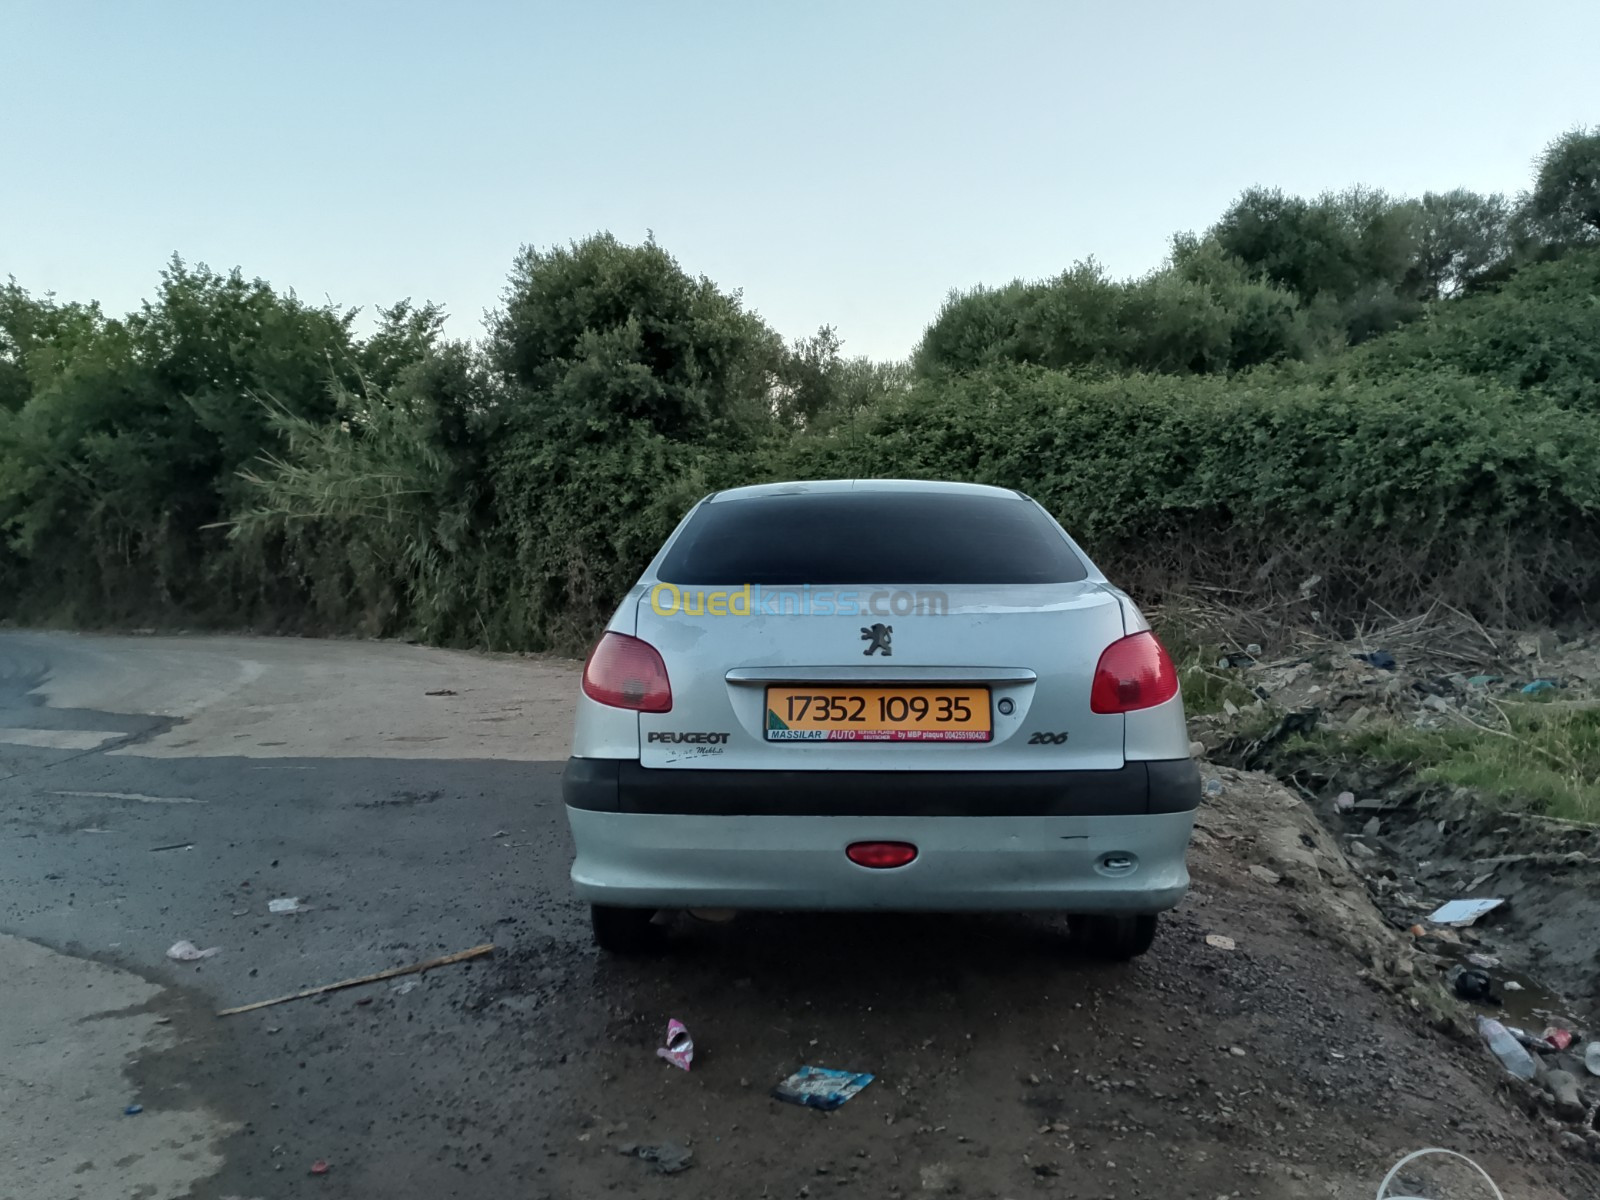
[(1292, 1066), (1416, 842), (1301, 1063)]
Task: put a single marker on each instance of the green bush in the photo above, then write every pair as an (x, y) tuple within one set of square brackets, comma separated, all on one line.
[(1205, 315), (123, 450), (1539, 332), (381, 523)]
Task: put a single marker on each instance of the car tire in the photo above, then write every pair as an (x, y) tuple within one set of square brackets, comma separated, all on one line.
[(1113, 937), (624, 930)]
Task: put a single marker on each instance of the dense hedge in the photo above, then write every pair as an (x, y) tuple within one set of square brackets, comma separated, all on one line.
[(1390, 490), (1396, 491)]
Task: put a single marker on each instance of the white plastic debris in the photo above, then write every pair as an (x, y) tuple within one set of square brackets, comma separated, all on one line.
[(1383, 1188), (1462, 912), (189, 952), (1512, 1054), (285, 904)]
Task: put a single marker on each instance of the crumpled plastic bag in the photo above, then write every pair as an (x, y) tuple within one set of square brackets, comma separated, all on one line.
[(189, 952)]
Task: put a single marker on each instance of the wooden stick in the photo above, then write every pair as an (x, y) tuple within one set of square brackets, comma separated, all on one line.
[(447, 960)]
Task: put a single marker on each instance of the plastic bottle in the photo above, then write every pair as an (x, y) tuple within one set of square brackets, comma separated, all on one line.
[(1507, 1049)]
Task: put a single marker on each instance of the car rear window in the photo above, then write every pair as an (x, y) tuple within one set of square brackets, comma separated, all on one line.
[(865, 537)]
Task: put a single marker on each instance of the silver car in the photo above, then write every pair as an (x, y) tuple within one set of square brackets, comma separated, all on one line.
[(886, 695)]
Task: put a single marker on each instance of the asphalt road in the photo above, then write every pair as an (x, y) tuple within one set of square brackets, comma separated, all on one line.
[(157, 790), (397, 860)]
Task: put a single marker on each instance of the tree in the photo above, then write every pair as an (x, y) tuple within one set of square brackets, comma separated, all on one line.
[(1205, 312), (1349, 256), (1266, 321), (124, 453), (631, 386), (975, 328), (406, 335), (38, 337), (819, 387), (1566, 190), (1461, 237), (1076, 320), (597, 335)]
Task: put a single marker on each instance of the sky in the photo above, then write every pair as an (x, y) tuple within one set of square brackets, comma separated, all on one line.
[(840, 163)]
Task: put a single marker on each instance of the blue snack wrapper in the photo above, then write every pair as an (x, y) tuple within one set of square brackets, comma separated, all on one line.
[(819, 1087)]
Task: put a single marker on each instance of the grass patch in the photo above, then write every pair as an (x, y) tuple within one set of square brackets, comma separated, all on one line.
[(1547, 760), (1205, 686)]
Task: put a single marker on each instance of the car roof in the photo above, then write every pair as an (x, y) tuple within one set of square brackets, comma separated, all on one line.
[(895, 487)]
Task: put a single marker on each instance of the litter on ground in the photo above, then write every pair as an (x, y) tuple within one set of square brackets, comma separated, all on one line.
[(1394, 1171), (679, 1050), (668, 1158), (1460, 913), (189, 952), (1504, 1045), (820, 1087), (391, 973)]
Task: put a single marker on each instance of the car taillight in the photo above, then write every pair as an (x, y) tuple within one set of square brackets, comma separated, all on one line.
[(1134, 672), (880, 855), (625, 672)]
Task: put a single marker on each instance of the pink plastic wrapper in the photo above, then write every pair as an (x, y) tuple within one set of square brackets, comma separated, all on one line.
[(679, 1050), (1558, 1037)]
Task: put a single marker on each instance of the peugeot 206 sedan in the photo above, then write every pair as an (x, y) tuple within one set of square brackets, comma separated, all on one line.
[(879, 695)]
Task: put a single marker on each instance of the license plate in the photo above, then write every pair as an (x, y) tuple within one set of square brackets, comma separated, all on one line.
[(878, 714)]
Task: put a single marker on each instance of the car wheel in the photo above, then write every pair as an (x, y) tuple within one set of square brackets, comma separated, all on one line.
[(624, 930), (1114, 937)]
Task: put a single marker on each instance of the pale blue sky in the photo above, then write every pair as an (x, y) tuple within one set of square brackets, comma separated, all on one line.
[(840, 162)]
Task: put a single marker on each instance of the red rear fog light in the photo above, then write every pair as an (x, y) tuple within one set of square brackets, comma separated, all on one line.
[(881, 854)]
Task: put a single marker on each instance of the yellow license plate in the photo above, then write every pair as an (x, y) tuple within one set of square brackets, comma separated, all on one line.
[(835, 713)]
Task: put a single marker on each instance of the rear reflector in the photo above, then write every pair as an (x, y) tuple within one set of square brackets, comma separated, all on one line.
[(625, 672), (881, 854), (1134, 672)]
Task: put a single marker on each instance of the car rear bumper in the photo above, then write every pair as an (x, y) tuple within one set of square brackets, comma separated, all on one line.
[(736, 855), (962, 864), (612, 785)]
